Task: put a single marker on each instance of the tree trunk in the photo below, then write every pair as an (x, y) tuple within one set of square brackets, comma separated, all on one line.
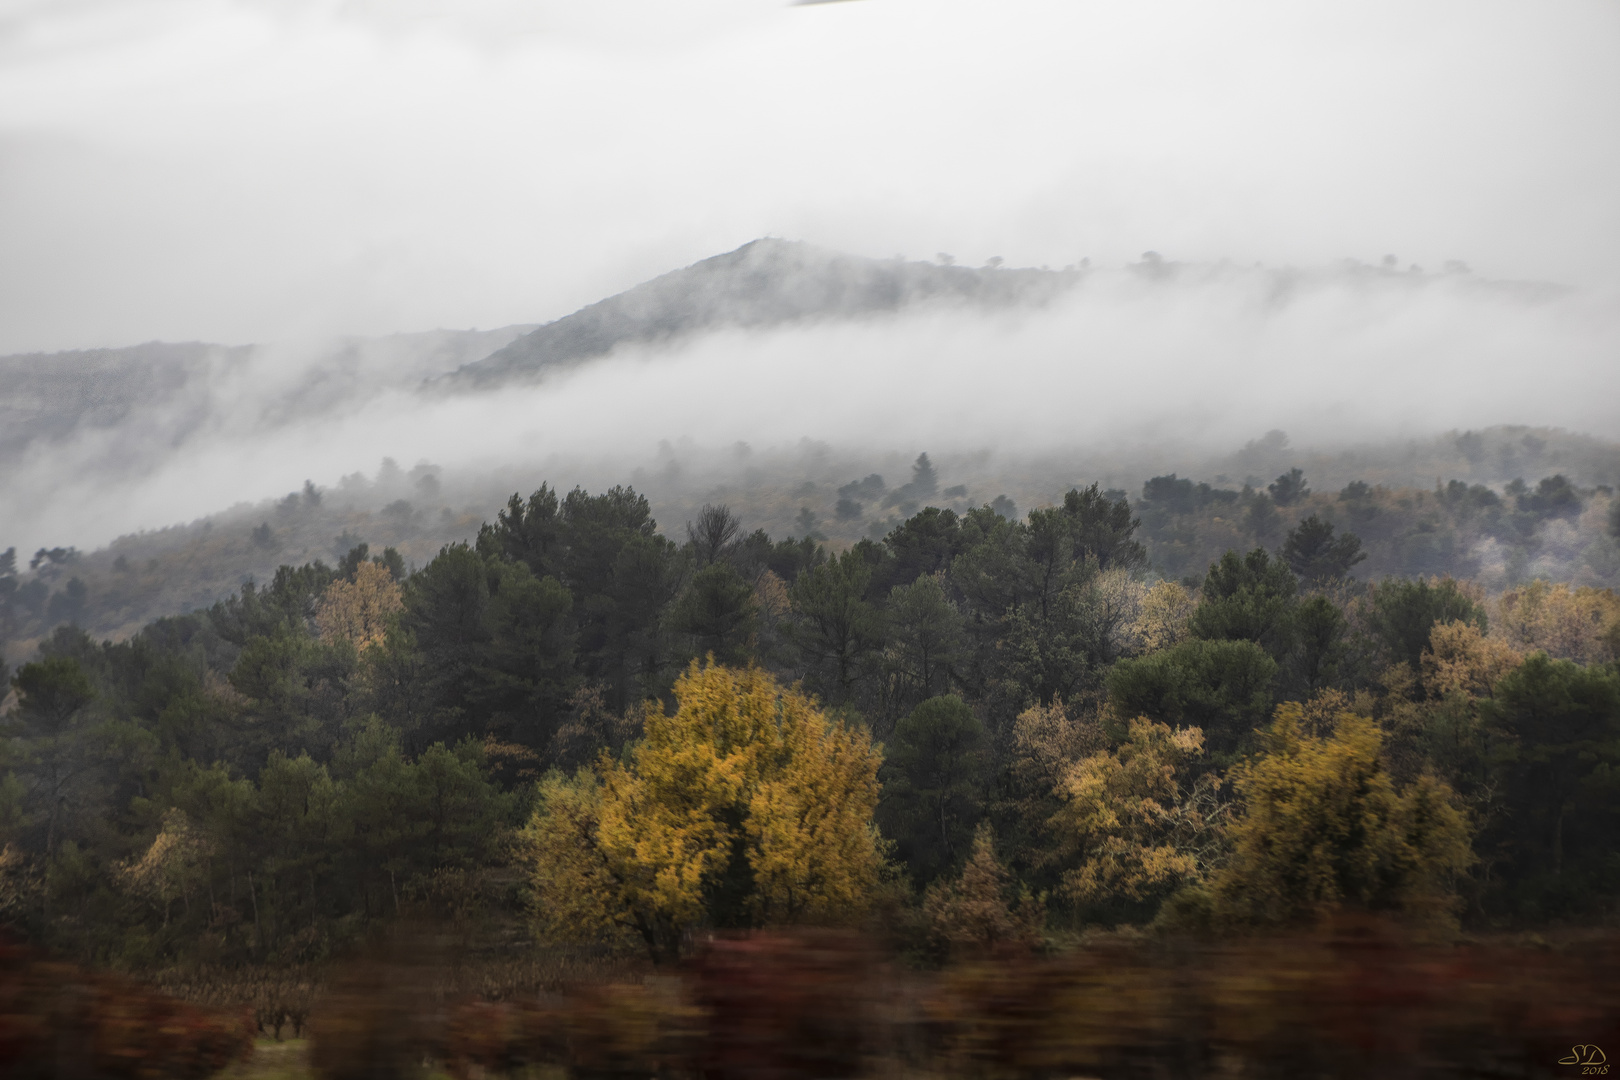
[(1558, 842), (50, 829), (258, 935)]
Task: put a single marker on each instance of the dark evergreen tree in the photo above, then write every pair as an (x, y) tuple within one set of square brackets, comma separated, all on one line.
[(1223, 687), (926, 543), (1316, 555), (925, 640), (924, 484), (716, 612), (836, 628), (1103, 529), (934, 777), (1319, 656), (1553, 497), (8, 595), (54, 722), (714, 536), (1289, 488), (532, 533), (1404, 613), (485, 647), (1553, 733), (1248, 598)]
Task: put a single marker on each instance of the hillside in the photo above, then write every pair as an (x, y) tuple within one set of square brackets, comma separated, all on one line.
[(1485, 518), (764, 283), (137, 401), (86, 436)]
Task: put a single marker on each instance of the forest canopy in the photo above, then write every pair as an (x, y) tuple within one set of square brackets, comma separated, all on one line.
[(980, 726)]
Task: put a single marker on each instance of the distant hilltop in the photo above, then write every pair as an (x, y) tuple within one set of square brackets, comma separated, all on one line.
[(772, 282), (764, 283), (158, 394)]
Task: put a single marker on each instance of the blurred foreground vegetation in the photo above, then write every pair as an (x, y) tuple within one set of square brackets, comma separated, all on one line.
[(1358, 997)]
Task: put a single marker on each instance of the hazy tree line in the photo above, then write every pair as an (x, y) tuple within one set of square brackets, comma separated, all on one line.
[(1044, 733), (1500, 535)]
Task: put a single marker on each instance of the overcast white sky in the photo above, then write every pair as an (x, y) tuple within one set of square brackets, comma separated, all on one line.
[(242, 170)]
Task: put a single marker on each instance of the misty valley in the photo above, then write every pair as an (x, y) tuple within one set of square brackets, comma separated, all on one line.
[(638, 729)]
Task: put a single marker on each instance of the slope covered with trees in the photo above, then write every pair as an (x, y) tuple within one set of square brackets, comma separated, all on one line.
[(767, 282), (975, 714), (1484, 522)]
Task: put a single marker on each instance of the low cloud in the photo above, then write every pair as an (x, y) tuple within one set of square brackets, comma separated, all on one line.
[(1151, 360)]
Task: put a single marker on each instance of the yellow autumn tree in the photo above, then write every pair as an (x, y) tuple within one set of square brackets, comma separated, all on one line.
[(172, 867), (1323, 826), (1135, 831), (1462, 661), (748, 807), (1162, 621), (984, 907), (357, 611), (1046, 742), (1430, 717), (1581, 624)]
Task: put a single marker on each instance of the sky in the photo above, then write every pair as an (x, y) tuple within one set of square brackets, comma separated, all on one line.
[(252, 170)]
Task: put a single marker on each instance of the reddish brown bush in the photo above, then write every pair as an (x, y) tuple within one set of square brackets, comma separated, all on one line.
[(617, 1031), (787, 1006), (497, 1037), (1356, 1002), (378, 1019), (1353, 1004), (61, 1021)]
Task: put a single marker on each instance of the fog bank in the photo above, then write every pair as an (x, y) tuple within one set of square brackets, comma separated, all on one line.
[(1156, 360)]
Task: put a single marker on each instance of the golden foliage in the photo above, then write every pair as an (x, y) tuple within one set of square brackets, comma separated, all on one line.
[(358, 611), (173, 866), (1581, 624), (771, 595), (1046, 742), (747, 781), (1162, 620), (1461, 660), (1048, 739), (813, 849), (1323, 825), (1324, 707), (578, 894), (1136, 830), (974, 913)]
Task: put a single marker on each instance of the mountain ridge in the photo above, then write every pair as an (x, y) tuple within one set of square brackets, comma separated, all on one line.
[(764, 283)]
